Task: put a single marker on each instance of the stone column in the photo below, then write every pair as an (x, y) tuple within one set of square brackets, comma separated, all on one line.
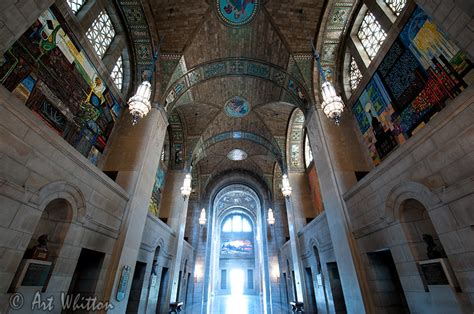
[(337, 156), (134, 153), (294, 247), (182, 214)]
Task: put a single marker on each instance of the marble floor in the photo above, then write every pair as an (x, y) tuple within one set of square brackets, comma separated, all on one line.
[(236, 304)]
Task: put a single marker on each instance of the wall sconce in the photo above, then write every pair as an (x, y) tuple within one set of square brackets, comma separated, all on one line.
[(197, 272), (202, 218), (271, 218), (276, 272)]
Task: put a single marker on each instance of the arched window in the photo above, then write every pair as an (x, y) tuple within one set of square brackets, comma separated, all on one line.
[(117, 73), (101, 33), (396, 5), (236, 223), (371, 35), (75, 5), (308, 155), (354, 74)]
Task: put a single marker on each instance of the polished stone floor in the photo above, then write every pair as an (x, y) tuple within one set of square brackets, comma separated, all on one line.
[(236, 304)]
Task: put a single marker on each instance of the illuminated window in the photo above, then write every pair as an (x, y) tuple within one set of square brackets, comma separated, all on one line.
[(75, 5), (117, 73), (354, 74), (371, 35), (101, 33), (396, 5), (308, 155), (236, 223)]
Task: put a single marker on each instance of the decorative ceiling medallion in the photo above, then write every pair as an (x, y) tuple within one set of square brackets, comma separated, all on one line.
[(237, 107), (237, 12), (237, 155)]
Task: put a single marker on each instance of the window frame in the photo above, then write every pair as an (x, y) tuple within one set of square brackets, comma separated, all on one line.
[(98, 38)]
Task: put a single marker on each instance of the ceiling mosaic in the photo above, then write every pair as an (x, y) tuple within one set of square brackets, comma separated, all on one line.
[(237, 12), (237, 107), (332, 34), (140, 38), (236, 195), (237, 155), (232, 73), (238, 67)]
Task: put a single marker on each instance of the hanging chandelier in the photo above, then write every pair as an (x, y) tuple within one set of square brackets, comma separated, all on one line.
[(202, 218), (332, 103), (139, 104), (286, 188), (186, 188), (271, 218)]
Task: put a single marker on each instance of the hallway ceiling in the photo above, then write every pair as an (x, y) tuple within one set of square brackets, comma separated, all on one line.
[(195, 36)]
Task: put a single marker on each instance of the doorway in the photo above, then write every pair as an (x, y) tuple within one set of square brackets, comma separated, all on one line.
[(162, 304), (136, 289), (386, 284), (311, 295), (336, 288), (86, 275), (237, 281)]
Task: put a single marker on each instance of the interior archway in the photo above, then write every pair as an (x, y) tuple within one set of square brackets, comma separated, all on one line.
[(238, 272)]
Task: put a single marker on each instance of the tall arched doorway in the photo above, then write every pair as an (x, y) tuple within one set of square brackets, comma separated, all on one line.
[(238, 272)]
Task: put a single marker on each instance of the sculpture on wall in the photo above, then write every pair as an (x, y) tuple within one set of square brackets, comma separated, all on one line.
[(431, 247)]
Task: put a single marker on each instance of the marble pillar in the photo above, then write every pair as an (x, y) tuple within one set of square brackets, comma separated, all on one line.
[(134, 154)]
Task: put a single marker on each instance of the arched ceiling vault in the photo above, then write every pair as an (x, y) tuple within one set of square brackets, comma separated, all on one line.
[(208, 67)]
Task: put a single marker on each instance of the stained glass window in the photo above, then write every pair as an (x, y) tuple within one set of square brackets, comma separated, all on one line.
[(371, 35), (101, 33), (117, 73), (75, 5), (354, 74), (396, 5)]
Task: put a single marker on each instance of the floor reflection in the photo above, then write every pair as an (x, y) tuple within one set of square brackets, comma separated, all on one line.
[(236, 304)]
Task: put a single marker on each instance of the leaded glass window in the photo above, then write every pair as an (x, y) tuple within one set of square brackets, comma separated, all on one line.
[(101, 33), (371, 35), (396, 5), (75, 5), (117, 73), (354, 74)]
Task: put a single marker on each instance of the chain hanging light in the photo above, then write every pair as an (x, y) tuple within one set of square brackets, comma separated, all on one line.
[(332, 103), (186, 188), (202, 218), (139, 104), (286, 188), (271, 218)]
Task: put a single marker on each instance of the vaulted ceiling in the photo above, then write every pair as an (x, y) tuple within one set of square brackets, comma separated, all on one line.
[(206, 62)]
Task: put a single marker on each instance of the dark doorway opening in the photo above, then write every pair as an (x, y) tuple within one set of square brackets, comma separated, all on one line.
[(136, 289), (86, 275), (162, 306), (386, 288), (311, 308), (336, 288)]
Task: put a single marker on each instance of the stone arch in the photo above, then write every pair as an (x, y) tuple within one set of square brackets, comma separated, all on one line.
[(295, 140), (66, 191), (408, 190)]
